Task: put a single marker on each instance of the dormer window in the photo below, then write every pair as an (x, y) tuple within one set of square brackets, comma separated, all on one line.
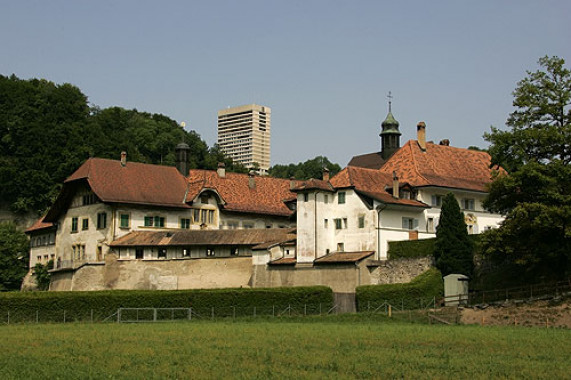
[(405, 194), (204, 199)]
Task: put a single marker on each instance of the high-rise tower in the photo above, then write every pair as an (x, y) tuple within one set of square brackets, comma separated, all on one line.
[(244, 135)]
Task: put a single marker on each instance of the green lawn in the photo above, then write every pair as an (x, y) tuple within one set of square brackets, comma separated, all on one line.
[(327, 347)]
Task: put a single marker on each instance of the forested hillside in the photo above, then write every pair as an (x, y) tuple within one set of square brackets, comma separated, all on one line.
[(47, 130)]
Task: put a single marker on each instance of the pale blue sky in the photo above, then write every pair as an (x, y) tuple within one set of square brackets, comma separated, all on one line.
[(324, 67)]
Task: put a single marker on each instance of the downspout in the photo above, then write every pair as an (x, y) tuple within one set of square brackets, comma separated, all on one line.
[(315, 226), (379, 208)]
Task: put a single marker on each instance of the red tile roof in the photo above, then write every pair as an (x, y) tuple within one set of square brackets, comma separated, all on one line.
[(343, 257), (369, 161), (314, 184), (284, 261), (134, 183), (250, 237), (39, 225), (268, 196), (440, 165), (371, 183)]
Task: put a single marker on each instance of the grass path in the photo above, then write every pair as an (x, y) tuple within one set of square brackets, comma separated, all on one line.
[(274, 349)]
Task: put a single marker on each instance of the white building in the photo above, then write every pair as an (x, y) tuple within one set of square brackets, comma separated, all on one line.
[(244, 135)]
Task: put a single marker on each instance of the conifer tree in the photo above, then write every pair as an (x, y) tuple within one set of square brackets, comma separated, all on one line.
[(453, 251)]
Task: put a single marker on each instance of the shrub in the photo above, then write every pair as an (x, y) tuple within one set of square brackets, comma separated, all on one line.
[(104, 303), (406, 249), (425, 286)]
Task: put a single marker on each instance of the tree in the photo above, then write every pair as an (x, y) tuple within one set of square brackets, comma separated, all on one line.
[(312, 168), (43, 276), (14, 247), (453, 249), (536, 196)]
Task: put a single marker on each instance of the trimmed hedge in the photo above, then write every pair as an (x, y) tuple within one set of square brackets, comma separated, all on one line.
[(411, 248), (424, 287), (104, 303), (420, 248)]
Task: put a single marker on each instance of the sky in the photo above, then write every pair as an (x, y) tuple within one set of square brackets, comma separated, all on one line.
[(324, 67)]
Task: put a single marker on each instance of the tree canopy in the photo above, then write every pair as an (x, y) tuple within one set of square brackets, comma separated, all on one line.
[(453, 249), (47, 131), (312, 168), (536, 195), (14, 247)]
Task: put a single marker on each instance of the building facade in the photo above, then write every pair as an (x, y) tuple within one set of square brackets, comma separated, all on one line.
[(244, 135)]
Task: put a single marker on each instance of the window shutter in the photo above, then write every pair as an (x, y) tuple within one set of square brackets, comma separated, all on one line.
[(405, 223), (415, 224)]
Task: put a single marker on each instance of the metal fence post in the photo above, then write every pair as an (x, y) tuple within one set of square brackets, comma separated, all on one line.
[(212, 312), (305, 309), (8, 317), (154, 315), (37, 315), (254, 311), (64, 316), (233, 311), (91, 315), (119, 315), (273, 310), (190, 314)]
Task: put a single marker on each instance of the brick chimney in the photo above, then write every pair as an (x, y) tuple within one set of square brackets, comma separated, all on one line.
[(325, 174), (445, 142), (251, 180), (123, 158), (221, 170), (421, 135), (395, 185)]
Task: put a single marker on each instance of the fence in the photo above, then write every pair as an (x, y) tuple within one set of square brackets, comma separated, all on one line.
[(520, 293), (162, 314)]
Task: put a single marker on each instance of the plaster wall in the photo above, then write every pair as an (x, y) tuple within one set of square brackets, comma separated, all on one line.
[(156, 275)]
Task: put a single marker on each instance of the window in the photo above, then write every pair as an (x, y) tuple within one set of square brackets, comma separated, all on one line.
[(305, 197), (85, 224), (430, 225), (101, 220), (185, 223), (325, 223), (204, 199), (89, 199), (409, 223), (248, 225), (74, 224), (344, 222), (341, 198), (405, 194), (437, 200), (210, 252), (124, 221), (234, 251), (162, 253), (196, 216), (338, 224), (139, 253), (362, 221), (326, 198), (154, 221), (468, 204), (340, 247)]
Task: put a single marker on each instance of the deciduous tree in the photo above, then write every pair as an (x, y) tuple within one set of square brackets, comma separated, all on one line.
[(536, 195), (14, 247)]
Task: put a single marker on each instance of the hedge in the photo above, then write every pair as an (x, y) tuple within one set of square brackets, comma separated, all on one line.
[(104, 303), (420, 248), (424, 287)]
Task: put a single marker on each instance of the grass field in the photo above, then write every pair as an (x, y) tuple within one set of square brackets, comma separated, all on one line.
[(320, 347)]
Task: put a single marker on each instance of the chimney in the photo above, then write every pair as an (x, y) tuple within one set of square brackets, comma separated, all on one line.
[(395, 185), (291, 182), (251, 180), (445, 142), (123, 158), (421, 135), (325, 174), (221, 170)]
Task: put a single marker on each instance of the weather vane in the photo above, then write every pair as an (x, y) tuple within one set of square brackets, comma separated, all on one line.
[(390, 96)]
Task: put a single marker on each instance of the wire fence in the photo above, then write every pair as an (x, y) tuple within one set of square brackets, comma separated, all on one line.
[(528, 292), (163, 314)]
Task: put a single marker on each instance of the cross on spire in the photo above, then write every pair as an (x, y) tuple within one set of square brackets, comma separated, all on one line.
[(390, 96)]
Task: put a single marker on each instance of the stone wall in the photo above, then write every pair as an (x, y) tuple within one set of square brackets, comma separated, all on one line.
[(400, 271)]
